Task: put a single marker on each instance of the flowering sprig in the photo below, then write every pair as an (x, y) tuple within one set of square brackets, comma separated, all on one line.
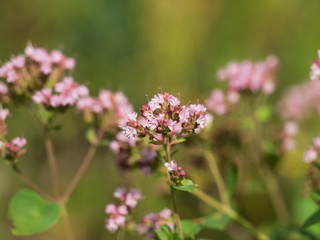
[(108, 108), (118, 212), (153, 221), (164, 116), (13, 150), (250, 76), (27, 73), (65, 93), (131, 154), (176, 173)]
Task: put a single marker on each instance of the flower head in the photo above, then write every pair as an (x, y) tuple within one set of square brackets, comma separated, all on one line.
[(163, 115)]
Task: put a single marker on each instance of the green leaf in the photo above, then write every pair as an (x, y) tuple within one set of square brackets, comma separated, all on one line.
[(216, 222), (263, 113), (91, 135), (161, 235), (166, 228), (56, 127), (190, 229), (179, 140), (231, 180), (187, 186), (30, 213), (313, 219), (155, 142), (315, 195)]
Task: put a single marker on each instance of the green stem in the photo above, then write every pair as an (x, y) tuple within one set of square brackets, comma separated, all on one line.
[(84, 166), (231, 213), (268, 177), (53, 164), (173, 202), (274, 190), (217, 177), (32, 185), (66, 222)]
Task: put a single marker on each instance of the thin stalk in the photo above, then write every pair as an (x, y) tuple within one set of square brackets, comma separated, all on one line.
[(66, 222), (173, 202), (84, 166), (217, 177), (231, 213), (274, 190), (120, 235), (24, 178), (53, 164), (276, 195)]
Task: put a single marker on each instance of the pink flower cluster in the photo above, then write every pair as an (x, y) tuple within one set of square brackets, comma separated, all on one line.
[(153, 221), (176, 173), (290, 130), (127, 156), (31, 70), (315, 68), (66, 93), (250, 76), (312, 153), (107, 101), (218, 103), (164, 116), (117, 213), (300, 100), (14, 149)]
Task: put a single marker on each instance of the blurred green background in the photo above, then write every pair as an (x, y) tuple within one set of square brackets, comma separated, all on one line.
[(138, 47)]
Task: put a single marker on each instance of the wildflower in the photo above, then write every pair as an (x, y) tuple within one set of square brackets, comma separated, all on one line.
[(66, 94), (287, 135), (299, 101), (152, 221), (14, 149), (114, 105), (216, 102), (176, 173), (311, 154), (250, 76), (118, 213), (164, 116), (35, 69)]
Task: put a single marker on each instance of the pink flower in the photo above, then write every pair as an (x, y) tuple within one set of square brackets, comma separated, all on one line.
[(56, 56), (164, 116), (171, 166), (69, 63), (316, 142), (165, 213), (130, 132), (310, 155), (18, 61), (19, 142), (4, 113), (3, 88), (251, 76), (132, 116), (315, 69), (216, 102), (291, 128), (111, 209)]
